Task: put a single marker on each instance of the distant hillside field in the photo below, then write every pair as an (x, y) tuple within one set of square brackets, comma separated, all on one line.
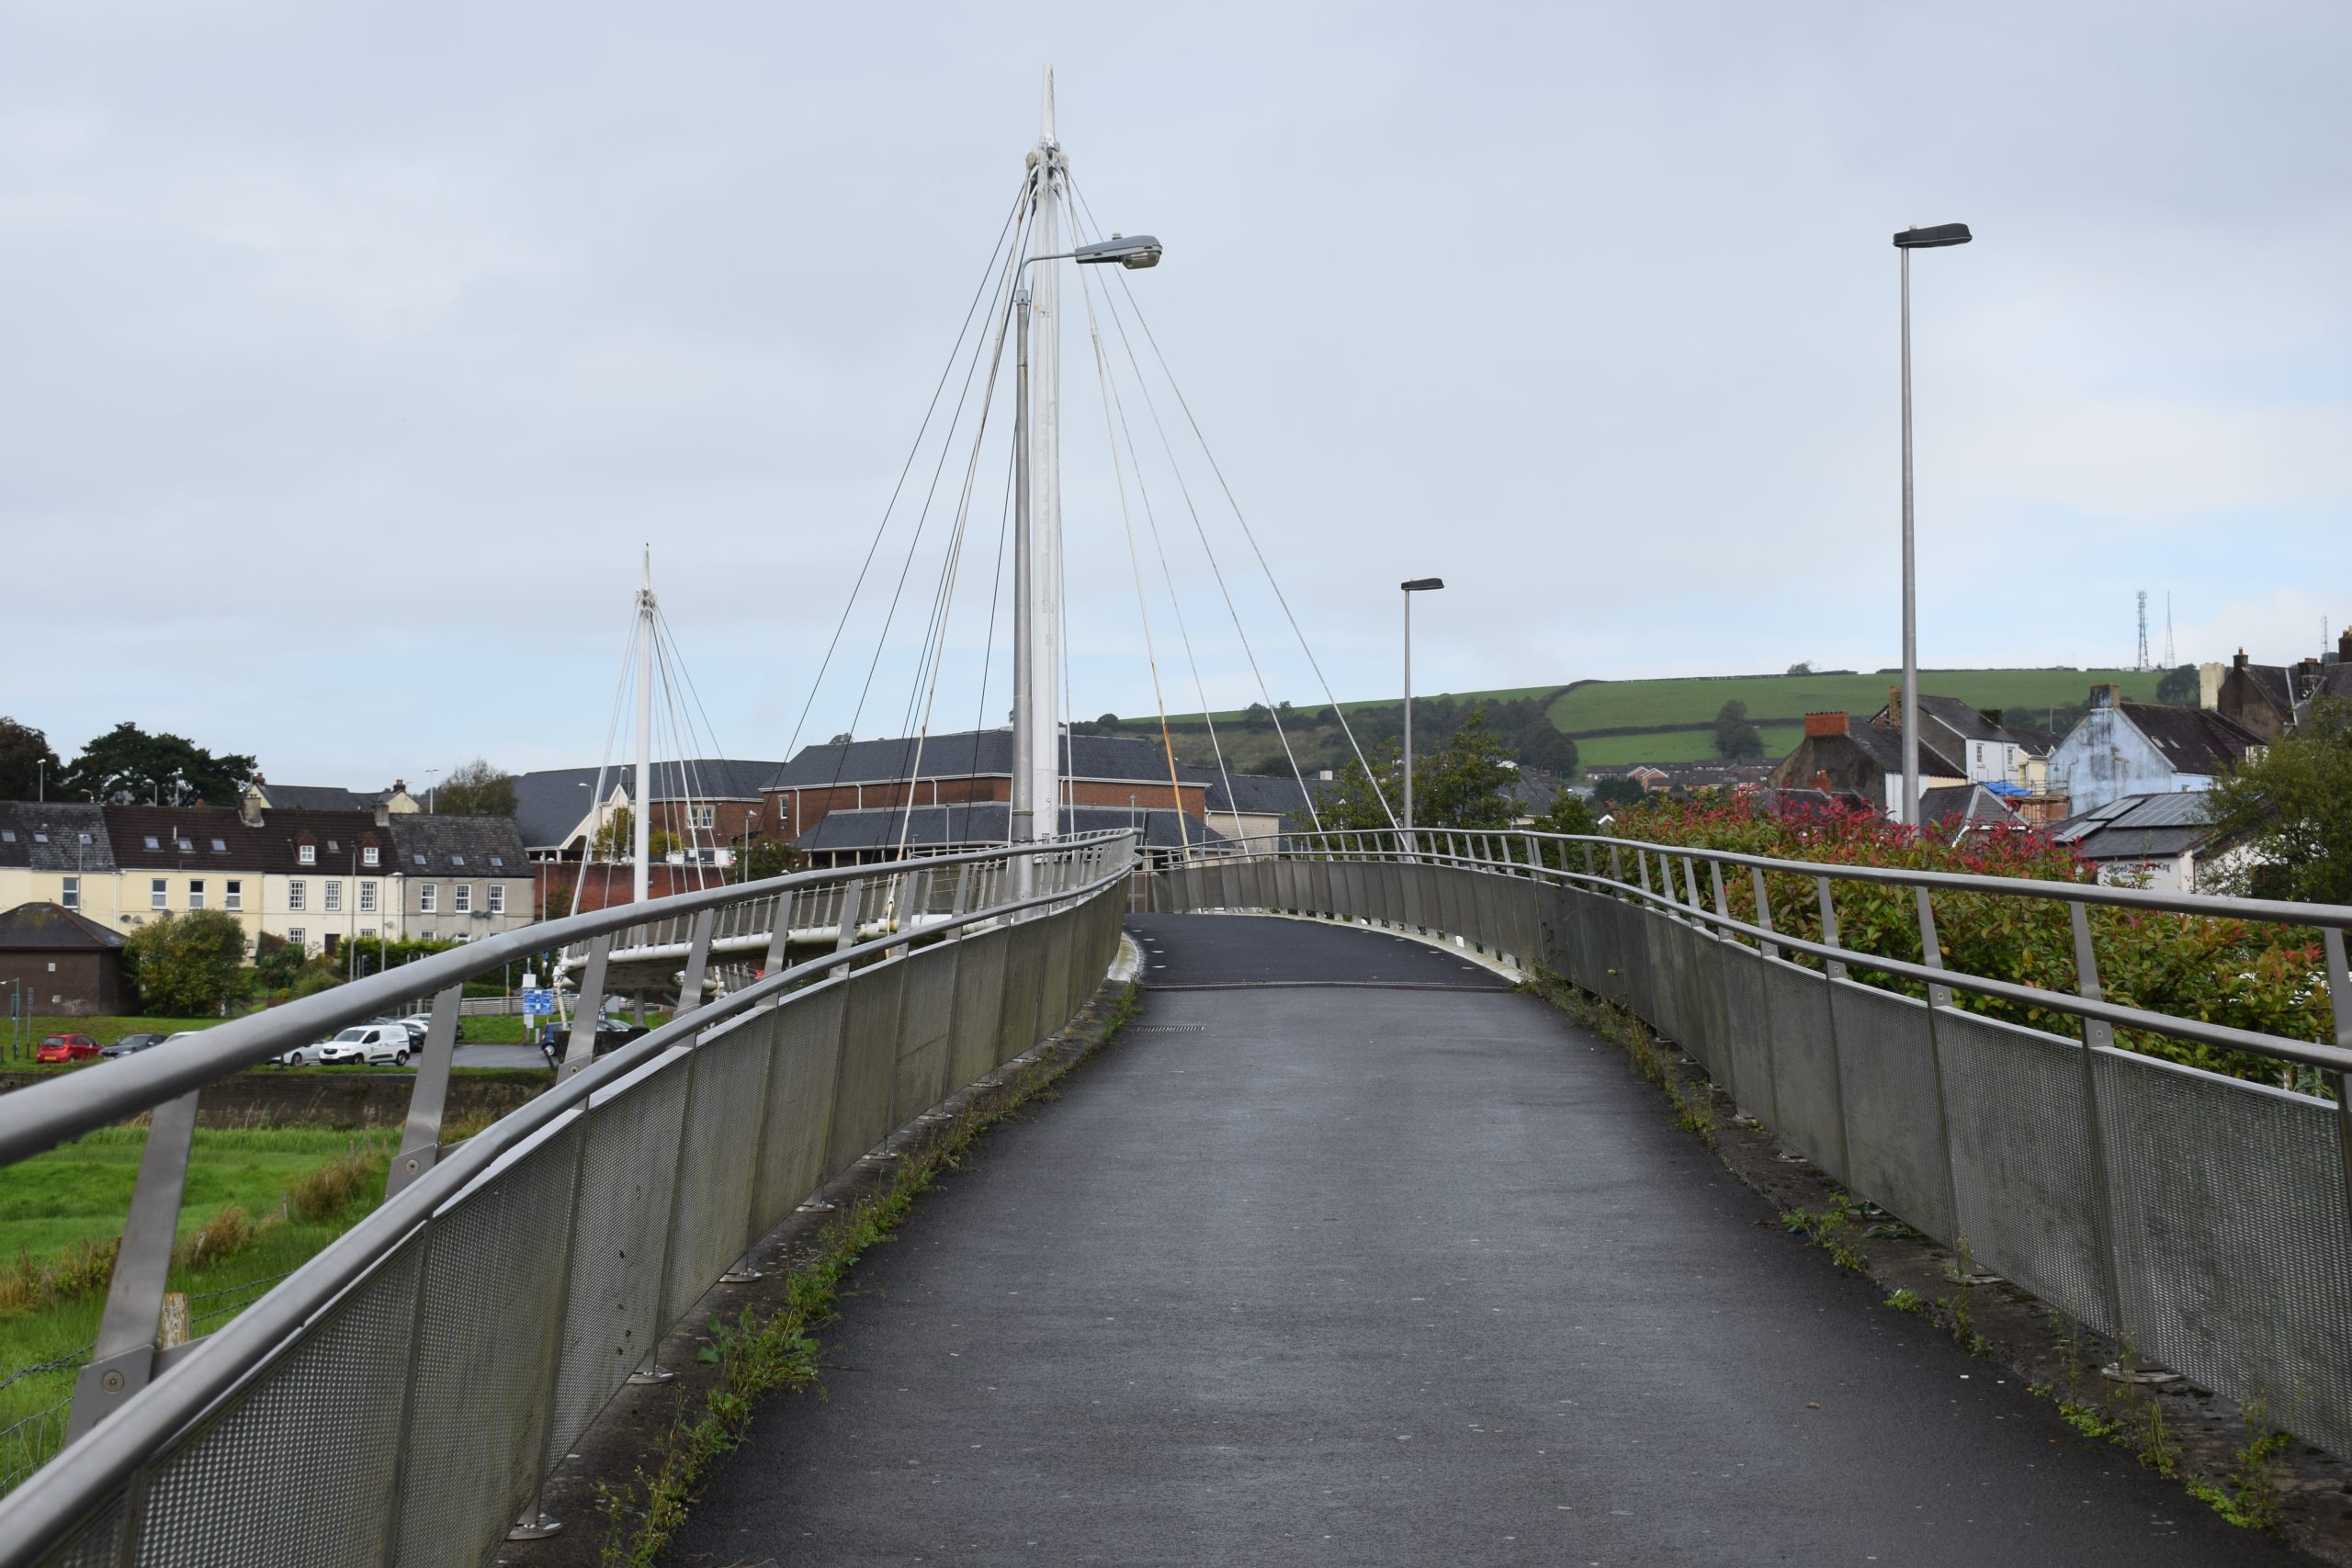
[(1613, 704)]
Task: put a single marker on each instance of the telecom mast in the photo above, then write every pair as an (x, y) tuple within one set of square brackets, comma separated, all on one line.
[(2140, 661)]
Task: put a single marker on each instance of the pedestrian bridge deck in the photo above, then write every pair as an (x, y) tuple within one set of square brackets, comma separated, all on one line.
[(1347, 1253)]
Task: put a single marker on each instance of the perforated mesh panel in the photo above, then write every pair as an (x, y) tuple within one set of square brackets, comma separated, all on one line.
[(802, 1071), (1806, 1109), (1054, 977), (96, 1542), (2021, 1165), (869, 1064), (717, 1161), (614, 1298), (926, 1013), (980, 1008), (309, 1441), (1891, 1136), (1745, 1030), (2232, 1238), (477, 1418)]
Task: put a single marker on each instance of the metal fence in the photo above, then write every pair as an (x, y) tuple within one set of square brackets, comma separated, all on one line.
[(2204, 1221), (400, 1399)]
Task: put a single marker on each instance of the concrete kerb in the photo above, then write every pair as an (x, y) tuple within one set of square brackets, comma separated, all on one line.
[(625, 1439)]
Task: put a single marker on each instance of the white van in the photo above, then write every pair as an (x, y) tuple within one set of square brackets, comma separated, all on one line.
[(375, 1045)]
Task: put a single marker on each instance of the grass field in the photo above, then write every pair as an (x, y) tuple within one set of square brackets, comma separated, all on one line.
[(106, 1030), (1677, 745), (79, 1194), (1610, 704)]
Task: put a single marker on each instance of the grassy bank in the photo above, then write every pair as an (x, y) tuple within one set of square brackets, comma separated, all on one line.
[(260, 1202)]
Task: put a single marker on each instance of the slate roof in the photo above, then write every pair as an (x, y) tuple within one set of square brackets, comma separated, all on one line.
[(2138, 827), (979, 753), (1968, 721), (2194, 741), (978, 823), (319, 797), (216, 838), (1970, 805), (1883, 745), (56, 835), (1257, 793), (53, 928), (427, 845), (550, 802)]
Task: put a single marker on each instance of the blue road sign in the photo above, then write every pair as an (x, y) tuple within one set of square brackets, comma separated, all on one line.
[(537, 1000)]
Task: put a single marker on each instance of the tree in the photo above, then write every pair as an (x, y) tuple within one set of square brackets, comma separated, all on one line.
[(765, 860), (1467, 782), (1568, 813), (128, 766), (276, 962), (27, 767), (1619, 792), (475, 789), (616, 839), (1542, 745), (1801, 667), (2291, 803), (1734, 736), (2178, 687), (185, 965)]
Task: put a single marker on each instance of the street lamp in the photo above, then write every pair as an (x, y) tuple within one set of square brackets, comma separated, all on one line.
[(1933, 237), (1418, 585)]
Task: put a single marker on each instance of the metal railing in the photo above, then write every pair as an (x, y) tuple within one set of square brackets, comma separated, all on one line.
[(400, 1398), (2202, 1220)]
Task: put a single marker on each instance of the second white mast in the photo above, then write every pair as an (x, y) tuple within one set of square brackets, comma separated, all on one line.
[(1037, 524)]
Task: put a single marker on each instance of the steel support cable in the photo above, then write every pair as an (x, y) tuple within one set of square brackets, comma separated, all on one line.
[(666, 664), (1250, 534), (922, 520), (710, 731), (1135, 559), (625, 687), (1175, 603), (944, 603), (988, 644), (1012, 220), (1216, 567)]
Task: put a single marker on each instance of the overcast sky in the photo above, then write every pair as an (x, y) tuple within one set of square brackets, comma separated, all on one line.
[(352, 351)]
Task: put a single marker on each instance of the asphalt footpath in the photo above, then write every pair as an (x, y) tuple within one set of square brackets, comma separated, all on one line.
[(1346, 1253)]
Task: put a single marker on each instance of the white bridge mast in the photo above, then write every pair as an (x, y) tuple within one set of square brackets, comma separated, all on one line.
[(641, 803), (1037, 524)]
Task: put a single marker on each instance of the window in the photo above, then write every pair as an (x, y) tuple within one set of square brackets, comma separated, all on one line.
[(418, 859), (497, 900), (428, 899), (8, 835), (232, 895), (85, 838), (196, 894), (294, 935), (335, 895), (154, 842), (700, 815), (334, 848), (457, 859), (369, 856), (158, 894), (366, 897), (69, 895), (40, 838), (298, 893), (465, 898), (220, 846), (187, 846), (308, 855), (498, 860)]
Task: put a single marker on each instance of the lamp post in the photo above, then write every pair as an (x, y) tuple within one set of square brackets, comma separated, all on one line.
[(1933, 237), (1418, 585), (1035, 814)]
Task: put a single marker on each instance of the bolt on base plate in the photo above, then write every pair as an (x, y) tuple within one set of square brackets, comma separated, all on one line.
[(657, 1374), (538, 1527)]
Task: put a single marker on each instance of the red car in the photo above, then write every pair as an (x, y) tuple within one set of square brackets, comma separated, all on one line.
[(67, 1048)]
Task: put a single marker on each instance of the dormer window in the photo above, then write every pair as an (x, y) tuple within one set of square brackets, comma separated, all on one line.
[(368, 855), (308, 853)]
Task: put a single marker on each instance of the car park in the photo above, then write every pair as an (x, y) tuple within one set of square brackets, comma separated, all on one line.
[(372, 1045), (130, 1045), (66, 1048)]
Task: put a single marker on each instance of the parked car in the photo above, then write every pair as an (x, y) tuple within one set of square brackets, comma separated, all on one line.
[(374, 1044), (611, 1034), (418, 1025), (130, 1045), (67, 1048)]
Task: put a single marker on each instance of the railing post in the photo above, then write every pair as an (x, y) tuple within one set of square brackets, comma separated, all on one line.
[(1763, 911), (123, 1358), (1587, 860), (1938, 998), (582, 1049), (1834, 970), (2096, 1033), (779, 939), (1722, 906), (1641, 864), (847, 937), (963, 891), (1832, 967), (421, 1138), (697, 961), (2339, 1003), (1691, 881)]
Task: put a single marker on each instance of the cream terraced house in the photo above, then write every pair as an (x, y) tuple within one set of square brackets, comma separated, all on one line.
[(317, 878)]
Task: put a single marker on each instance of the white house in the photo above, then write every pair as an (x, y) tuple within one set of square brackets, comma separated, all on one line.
[(2123, 748)]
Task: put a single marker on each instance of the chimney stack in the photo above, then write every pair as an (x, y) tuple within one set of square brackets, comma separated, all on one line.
[(249, 808), (2208, 686), (1818, 724), (383, 815), (2344, 648), (2108, 696)]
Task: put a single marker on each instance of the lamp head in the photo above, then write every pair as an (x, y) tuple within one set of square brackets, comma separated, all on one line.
[(1422, 584), (1127, 250), (1933, 237)]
